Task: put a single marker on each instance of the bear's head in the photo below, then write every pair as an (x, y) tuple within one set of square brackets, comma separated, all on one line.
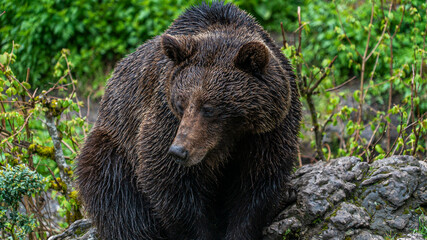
[(221, 87)]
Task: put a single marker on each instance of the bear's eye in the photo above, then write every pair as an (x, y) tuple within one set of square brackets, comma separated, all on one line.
[(207, 111), (179, 107)]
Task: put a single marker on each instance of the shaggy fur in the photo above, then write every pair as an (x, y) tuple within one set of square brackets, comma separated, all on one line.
[(215, 87)]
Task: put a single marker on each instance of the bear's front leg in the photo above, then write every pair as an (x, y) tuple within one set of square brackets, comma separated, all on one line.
[(262, 187), (253, 209), (108, 188), (180, 201)]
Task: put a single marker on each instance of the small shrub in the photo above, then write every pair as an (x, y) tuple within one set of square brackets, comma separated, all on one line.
[(15, 183), (41, 130)]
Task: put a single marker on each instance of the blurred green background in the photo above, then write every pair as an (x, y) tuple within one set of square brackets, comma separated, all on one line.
[(99, 33)]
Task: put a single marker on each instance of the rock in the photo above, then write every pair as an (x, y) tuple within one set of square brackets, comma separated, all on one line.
[(413, 236), (367, 235), (349, 199), (350, 216), (79, 230), (343, 199)]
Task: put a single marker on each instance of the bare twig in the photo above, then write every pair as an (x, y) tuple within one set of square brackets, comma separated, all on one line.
[(23, 126), (74, 91), (369, 31), (3, 121), (12, 78), (375, 67), (416, 122), (417, 137), (88, 108), (53, 175), (300, 30), (390, 90), (366, 151), (362, 74), (412, 86), (300, 27), (323, 76), (283, 36), (317, 133), (422, 56), (68, 146), (365, 58), (376, 142), (413, 89), (28, 75), (341, 85), (398, 136), (326, 122), (378, 43), (329, 152)]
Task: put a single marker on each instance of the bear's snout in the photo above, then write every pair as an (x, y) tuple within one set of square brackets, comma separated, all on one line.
[(179, 153)]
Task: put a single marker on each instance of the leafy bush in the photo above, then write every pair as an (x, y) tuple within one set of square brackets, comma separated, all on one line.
[(362, 53), (41, 130), (340, 28), (15, 183)]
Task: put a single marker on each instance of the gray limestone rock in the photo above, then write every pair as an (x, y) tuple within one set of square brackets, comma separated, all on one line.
[(367, 235), (349, 199), (350, 216), (413, 236)]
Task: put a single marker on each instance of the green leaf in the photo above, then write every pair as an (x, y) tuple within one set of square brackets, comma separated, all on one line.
[(379, 149), (416, 101), (264, 12), (26, 85), (350, 127), (11, 91), (356, 95), (3, 58)]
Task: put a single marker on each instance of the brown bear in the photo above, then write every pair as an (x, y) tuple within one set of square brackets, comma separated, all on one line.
[(196, 134)]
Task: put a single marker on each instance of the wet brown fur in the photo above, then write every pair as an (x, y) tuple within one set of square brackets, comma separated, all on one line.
[(216, 84)]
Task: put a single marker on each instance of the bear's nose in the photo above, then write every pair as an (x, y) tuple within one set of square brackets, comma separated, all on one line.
[(179, 152)]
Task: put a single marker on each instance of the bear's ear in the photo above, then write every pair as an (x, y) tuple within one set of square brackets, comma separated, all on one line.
[(253, 57), (177, 49)]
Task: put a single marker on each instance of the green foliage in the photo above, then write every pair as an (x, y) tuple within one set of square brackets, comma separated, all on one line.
[(324, 35), (25, 140), (362, 51), (422, 224), (271, 13), (99, 33), (16, 182)]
